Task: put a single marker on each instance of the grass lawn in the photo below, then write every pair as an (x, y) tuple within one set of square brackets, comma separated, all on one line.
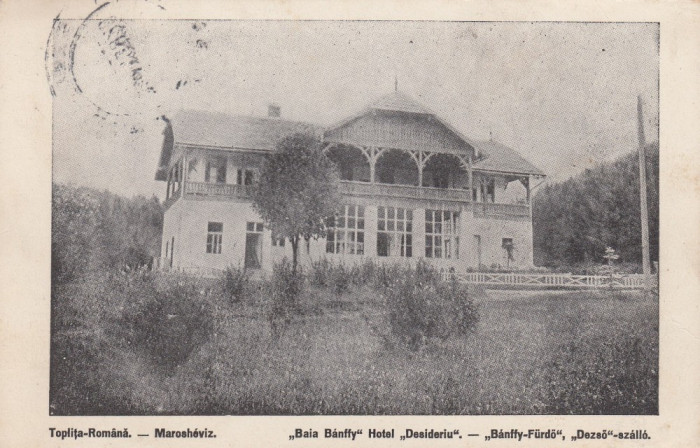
[(553, 352)]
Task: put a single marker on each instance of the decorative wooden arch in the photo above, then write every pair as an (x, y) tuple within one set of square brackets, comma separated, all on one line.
[(421, 158)]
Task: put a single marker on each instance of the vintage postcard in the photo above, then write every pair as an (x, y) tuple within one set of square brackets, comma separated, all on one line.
[(307, 224)]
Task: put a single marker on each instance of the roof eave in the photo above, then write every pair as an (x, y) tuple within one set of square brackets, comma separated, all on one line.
[(523, 172)]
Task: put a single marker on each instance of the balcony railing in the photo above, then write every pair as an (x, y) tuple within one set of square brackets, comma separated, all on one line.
[(223, 190), (490, 210), (403, 191), (351, 188)]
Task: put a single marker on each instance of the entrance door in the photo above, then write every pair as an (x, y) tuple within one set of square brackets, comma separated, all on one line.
[(477, 247), (253, 245), (253, 251)]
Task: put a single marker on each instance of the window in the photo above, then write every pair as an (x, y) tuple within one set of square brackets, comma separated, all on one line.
[(394, 232), (215, 170), (245, 177), (215, 232), (488, 189), (174, 180), (507, 244), (193, 172), (256, 227), (253, 245), (278, 242), (346, 231), (441, 234)]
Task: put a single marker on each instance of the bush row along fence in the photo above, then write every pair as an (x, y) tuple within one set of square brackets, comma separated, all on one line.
[(506, 279), (627, 281)]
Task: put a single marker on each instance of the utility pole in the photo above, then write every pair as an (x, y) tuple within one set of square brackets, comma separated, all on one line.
[(646, 264)]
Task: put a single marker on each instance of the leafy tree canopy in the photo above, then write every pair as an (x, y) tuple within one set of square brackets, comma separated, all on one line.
[(297, 191), (575, 221), (94, 230)]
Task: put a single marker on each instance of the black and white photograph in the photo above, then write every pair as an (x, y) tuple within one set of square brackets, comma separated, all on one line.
[(307, 224), (291, 217)]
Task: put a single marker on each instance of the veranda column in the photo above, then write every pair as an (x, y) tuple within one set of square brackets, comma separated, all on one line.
[(527, 188), (371, 231), (470, 174), (421, 159), (167, 191), (466, 165), (372, 154), (184, 172), (419, 233)]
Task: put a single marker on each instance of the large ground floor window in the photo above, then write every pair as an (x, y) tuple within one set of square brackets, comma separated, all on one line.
[(394, 232), (346, 231), (441, 234)]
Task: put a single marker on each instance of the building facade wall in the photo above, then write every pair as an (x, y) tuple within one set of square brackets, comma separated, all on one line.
[(480, 239), (491, 232)]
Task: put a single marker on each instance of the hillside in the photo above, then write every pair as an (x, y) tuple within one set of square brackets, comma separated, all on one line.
[(574, 221), (94, 230)]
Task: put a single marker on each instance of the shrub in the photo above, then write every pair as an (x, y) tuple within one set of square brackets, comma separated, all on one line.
[(386, 274), (367, 272), (341, 278), (114, 335), (234, 283), (426, 274), (320, 273), (166, 325), (606, 377), (421, 306), (459, 297), (95, 231)]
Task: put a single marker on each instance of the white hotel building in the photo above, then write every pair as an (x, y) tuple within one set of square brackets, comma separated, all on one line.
[(413, 187)]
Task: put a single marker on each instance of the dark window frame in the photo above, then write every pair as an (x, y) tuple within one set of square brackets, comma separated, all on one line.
[(215, 236), (345, 234), (394, 229)]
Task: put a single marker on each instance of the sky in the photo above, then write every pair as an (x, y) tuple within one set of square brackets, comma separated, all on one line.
[(564, 95)]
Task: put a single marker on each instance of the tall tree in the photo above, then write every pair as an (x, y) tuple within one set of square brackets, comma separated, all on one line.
[(297, 190), (576, 220), (96, 230)]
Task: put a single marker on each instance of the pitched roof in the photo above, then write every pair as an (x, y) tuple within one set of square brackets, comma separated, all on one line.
[(498, 157), (229, 131), (399, 102), (263, 133), (226, 132), (492, 156)]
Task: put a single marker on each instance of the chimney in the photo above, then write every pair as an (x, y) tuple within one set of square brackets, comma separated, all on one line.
[(273, 110)]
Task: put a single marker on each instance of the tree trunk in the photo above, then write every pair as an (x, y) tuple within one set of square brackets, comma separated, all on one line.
[(295, 253)]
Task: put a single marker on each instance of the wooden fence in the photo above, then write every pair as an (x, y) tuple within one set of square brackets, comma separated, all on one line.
[(514, 279)]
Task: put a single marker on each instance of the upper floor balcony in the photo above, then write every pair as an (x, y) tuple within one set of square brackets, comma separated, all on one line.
[(356, 188), (444, 181), (193, 190)]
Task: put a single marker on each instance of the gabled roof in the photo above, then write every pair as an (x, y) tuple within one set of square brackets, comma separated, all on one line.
[(500, 158), (399, 102), (262, 133), (490, 155), (226, 132), (231, 131)]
